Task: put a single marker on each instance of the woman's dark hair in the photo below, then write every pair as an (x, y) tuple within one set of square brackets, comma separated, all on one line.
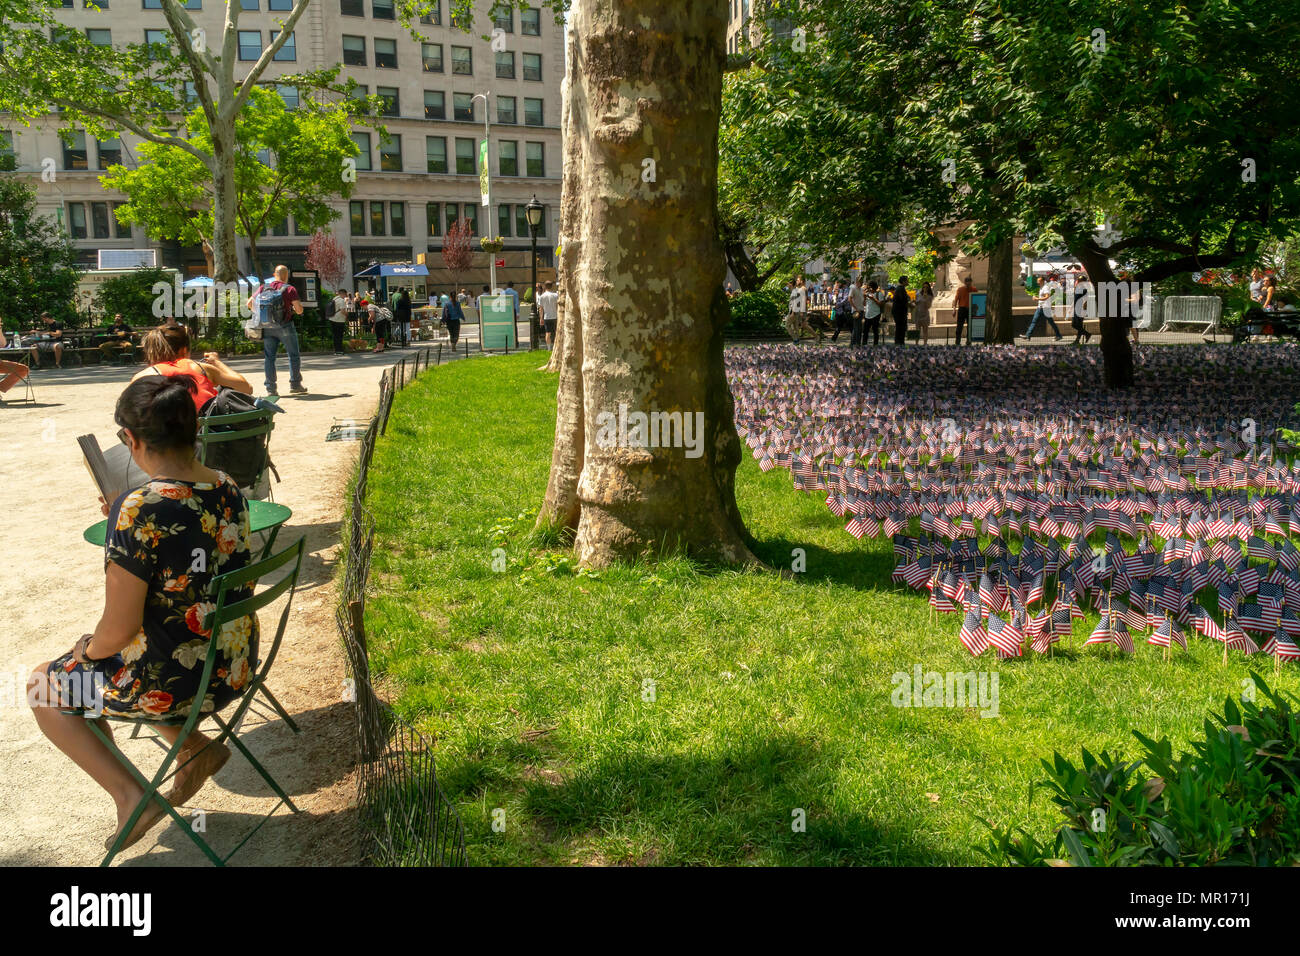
[(159, 410)]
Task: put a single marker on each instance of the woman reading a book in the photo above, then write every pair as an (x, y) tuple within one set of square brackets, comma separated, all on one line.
[(167, 350), (166, 542)]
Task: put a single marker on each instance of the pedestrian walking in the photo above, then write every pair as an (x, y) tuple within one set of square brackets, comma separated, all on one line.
[(1046, 297), (339, 319), (871, 313), (402, 317), (900, 305), (1082, 307), (549, 302), (962, 301), (279, 301), (857, 300), (921, 312)]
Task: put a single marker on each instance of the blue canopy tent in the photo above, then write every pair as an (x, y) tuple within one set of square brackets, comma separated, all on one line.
[(404, 275)]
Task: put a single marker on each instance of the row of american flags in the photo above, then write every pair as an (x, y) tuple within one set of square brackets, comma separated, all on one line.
[(940, 449)]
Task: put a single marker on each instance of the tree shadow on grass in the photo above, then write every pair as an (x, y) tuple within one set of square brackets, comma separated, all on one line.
[(737, 807), (864, 570)]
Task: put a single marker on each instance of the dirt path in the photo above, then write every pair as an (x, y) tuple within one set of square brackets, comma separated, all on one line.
[(51, 592)]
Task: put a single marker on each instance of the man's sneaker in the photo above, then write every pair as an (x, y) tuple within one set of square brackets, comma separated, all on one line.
[(298, 389)]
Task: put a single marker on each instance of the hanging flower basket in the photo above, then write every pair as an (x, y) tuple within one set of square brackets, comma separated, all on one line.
[(492, 245)]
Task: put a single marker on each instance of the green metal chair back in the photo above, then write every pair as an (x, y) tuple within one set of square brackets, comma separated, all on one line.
[(216, 429)]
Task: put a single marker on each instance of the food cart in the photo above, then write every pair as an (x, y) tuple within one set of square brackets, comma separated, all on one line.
[(386, 278)]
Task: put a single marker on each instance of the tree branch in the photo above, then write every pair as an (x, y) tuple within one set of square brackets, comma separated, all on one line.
[(286, 31)]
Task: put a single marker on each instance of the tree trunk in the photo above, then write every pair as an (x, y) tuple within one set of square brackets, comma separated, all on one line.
[(226, 262), (742, 265), (1116, 352), (1001, 320), (644, 317)]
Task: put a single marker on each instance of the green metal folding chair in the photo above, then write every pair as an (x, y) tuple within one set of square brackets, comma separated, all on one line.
[(224, 612), (267, 517)]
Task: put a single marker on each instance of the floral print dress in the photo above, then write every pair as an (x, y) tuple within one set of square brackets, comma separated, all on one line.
[(177, 536)]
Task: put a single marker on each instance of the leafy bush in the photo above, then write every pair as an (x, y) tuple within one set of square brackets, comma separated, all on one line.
[(132, 295), (1234, 798), (761, 311)]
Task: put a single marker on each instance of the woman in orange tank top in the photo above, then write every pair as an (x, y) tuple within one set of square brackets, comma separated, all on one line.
[(167, 349)]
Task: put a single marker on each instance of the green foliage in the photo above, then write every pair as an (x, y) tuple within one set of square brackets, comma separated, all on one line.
[(171, 192), (760, 311), (1233, 798), (37, 261), (132, 295)]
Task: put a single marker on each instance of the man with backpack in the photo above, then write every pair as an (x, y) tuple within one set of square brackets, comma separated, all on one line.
[(274, 306)]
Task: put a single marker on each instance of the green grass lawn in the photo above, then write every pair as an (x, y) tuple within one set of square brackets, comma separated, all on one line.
[(770, 695)]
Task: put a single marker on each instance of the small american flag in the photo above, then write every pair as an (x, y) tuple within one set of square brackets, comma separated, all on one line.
[(973, 635)]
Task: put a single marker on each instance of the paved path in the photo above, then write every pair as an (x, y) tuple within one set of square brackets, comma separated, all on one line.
[(51, 592)]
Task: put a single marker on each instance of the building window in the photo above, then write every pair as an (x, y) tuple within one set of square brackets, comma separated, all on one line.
[(90, 4), (471, 213), (435, 153), (74, 152), (280, 228), (377, 219), (532, 66), (7, 153), (386, 53), (453, 214), (249, 5), (462, 21), (503, 221), (363, 143), (397, 218), (390, 154), (250, 44), (541, 226), (382, 9), (506, 65), (354, 50), (279, 5), (503, 18), (506, 110), (120, 229), (100, 37), (352, 8), (434, 16), (508, 157), (360, 93), (77, 220), (390, 96), (110, 153), (431, 57), (535, 157), (299, 229), (435, 104), (289, 94), (357, 214), (530, 22), (533, 113), (432, 218), (462, 61), (463, 105), (465, 161), (99, 220), (287, 53), (191, 94), (159, 37)]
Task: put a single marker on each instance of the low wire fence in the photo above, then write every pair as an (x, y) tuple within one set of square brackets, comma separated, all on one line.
[(406, 819)]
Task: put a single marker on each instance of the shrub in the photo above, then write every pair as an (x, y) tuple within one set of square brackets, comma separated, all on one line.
[(1234, 798), (761, 311), (132, 295)]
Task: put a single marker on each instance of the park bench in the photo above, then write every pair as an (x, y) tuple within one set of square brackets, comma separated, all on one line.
[(1259, 322)]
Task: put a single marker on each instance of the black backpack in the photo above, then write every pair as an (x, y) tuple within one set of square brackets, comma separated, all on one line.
[(244, 459)]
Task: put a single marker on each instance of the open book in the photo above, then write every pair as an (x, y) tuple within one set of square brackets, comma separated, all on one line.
[(113, 471)]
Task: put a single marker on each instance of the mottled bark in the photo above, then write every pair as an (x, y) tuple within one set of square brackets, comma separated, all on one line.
[(1001, 323), (1116, 352), (642, 270), (224, 194)]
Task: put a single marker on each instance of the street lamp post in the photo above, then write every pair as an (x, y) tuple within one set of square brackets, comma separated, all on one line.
[(486, 155), (534, 211)]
